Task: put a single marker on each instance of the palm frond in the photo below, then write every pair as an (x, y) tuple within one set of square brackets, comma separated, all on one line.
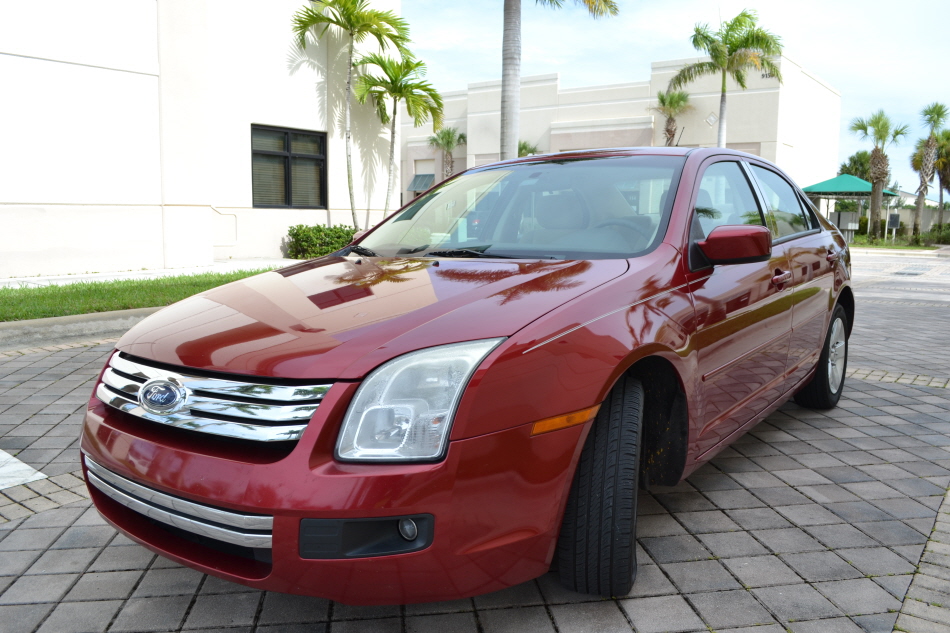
[(934, 116), (691, 72), (597, 8), (702, 38)]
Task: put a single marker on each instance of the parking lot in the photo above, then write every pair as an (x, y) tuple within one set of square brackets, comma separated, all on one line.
[(812, 522)]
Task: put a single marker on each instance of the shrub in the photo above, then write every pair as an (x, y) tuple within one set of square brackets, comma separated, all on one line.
[(862, 226), (939, 234), (307, 242)]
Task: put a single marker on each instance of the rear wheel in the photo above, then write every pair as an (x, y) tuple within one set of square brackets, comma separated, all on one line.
[(824, 389), (597, 546)]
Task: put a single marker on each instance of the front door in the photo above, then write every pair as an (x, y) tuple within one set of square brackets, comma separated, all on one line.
[(743, 311)]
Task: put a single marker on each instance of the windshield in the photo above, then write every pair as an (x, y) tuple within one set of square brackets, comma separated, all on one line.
[(586, 208)]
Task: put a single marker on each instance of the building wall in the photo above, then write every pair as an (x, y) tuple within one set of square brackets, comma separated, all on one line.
[(794, 124), (132, 142), (80, 160)]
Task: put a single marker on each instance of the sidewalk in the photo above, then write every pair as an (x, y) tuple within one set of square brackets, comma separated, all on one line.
[(940, 251), (219, 266)]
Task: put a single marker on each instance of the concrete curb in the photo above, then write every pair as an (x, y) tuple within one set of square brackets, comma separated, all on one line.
[(940, 252), (15, 334)]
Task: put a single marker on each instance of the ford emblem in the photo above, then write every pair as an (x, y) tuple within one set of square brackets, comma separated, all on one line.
[(161, 396)]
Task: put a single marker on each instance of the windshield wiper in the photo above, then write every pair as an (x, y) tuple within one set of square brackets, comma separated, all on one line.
[(467, 252), (362, 250)]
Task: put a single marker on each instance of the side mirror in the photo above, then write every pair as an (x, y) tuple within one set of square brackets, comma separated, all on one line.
[(359, 234), (740, 244)]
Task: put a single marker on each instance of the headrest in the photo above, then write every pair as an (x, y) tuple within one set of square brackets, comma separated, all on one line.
[(704, 200), (563, 211)]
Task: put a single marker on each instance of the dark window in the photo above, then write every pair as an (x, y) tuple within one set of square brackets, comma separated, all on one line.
[(289, 167), (787, 216), (724, 198)]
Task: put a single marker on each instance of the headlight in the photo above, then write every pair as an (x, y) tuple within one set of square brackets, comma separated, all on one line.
[(403, 410)]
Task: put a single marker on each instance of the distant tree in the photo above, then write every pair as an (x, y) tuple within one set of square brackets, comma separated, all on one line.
[(858, 165), (400, 81), (882, 132), (934, 116), (526, 149), (446, 140), (671, 104), (355, 20), (511, 64), (737, 47)]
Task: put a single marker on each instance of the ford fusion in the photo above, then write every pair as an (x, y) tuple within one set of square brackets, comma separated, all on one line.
[(473, 392)]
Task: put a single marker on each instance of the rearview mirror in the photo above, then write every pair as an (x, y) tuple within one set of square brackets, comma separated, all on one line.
[(740, 244)]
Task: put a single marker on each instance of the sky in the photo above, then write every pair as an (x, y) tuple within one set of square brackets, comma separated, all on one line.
[(877, 54)]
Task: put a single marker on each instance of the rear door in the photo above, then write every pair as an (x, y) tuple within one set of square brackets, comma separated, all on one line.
[(743, 310), (811, 254)]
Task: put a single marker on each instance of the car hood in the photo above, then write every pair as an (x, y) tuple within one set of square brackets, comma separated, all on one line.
[(339, 317)]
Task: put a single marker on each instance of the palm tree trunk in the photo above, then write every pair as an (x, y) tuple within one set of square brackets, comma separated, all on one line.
[(721, 142), (346, 109), (448, 164), (511, 79), (392, 160), (874, 220), (940, 211), (670, 131), (918, 212)]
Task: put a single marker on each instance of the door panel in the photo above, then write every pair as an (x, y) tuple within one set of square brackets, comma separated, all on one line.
[(743, 318), (813, 279)]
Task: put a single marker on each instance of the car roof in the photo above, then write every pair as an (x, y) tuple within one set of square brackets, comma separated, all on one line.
[(620, 151)]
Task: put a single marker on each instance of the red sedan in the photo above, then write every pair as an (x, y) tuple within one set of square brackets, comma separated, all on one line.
[(478, 387)]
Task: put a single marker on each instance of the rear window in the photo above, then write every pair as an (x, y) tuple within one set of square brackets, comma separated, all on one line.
[(590, 208)]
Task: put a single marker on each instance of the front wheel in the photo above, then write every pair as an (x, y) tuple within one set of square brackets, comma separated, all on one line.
[(597, 546), (824, 389)]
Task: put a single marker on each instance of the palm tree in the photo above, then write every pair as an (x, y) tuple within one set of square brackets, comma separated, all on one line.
[(941, 165), (446, 140), (356, 21), (934, 116), (882, 132), (526, 149), (738, 46), (511, 65), (671, 104), (858, 165), (401, 81)]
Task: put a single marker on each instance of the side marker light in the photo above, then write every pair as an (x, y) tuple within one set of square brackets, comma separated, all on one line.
[(563, 421)]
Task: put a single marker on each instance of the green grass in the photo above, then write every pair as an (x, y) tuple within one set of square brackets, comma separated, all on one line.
[(19, 304), (861, 241)]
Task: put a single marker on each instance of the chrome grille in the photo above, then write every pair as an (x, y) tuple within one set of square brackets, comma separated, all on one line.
[(246, 530), (241, 409)]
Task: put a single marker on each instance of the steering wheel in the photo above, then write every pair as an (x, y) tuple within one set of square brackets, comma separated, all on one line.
[(626, 223)]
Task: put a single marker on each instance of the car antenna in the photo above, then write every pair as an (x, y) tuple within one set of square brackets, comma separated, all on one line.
[(682, 129)]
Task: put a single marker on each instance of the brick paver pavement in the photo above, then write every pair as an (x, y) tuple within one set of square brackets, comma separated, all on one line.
[(813, 522)]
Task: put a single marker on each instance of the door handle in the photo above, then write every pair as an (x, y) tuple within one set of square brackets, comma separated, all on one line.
[(782, 277), (833, 256)]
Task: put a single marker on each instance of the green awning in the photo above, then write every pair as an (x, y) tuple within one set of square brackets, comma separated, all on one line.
[(843, 187), (421, 182)]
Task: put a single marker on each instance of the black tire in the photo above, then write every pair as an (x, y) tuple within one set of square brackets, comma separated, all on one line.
[(597, 546), (821, 392)]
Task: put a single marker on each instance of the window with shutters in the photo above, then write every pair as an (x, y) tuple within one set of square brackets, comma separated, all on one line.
[(289, 167)]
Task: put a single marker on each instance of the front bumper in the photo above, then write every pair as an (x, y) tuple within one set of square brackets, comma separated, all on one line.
[(496, 502)]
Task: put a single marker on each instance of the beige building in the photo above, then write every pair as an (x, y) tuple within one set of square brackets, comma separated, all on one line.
[(794, 124)]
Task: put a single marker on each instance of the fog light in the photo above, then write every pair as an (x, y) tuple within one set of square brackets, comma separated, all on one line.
[(408, 529)]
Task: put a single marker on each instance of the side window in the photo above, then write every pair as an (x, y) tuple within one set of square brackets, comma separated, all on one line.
[(724, 197), (787, 215)]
